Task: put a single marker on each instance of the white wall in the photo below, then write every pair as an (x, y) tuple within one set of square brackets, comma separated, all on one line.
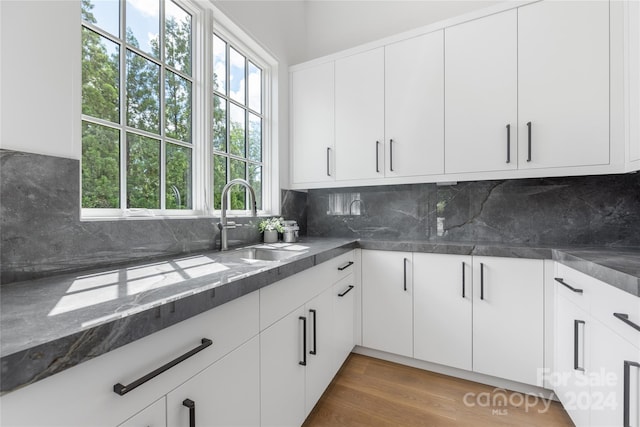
[(333, 25), (40, 76)]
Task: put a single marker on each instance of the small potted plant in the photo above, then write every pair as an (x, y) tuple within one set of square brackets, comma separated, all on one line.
[(270, 227)]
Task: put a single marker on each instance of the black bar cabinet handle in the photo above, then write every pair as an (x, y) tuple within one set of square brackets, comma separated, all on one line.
[(562, 282), (328, 157), (347, 265), (463, 280), (626, 422), (124, 389), (391, 155), (529, 141), (576, 343), (192, 411), (303, 362), (509, 143), (481, 281), (347, 291), (405, 274), (315, 321), (625, 318), (377, 157)]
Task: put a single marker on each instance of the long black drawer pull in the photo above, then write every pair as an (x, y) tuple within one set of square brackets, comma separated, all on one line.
[(481, 281), (391, 155), (508, 143), (576, 344), (124, 389), (328, 156), (192, 411), (463, 279), (303, 362), (627, 391), (625, 318), (405, 274), (347, 291), (315, 332), (377, 157), (562, 282), (529, 141), (347, 265)]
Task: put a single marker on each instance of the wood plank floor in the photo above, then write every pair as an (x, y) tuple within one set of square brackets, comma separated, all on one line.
[(373, 392)]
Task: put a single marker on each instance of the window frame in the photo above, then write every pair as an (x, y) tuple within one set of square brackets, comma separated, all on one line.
[(206, 20)]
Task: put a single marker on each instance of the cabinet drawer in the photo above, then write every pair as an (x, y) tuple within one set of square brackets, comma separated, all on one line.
[(609, 300), (574, 286), (280, 298), (83, 395)]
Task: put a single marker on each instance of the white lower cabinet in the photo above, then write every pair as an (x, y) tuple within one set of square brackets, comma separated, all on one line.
[(301, 352), (387, 301), (442, 309), (597, 359), (227, 393), (508, 318)]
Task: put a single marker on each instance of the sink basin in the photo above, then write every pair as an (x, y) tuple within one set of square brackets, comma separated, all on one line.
[(262, 254)]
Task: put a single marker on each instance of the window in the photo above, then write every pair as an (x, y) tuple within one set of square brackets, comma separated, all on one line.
[(149, 139), (237, 125)]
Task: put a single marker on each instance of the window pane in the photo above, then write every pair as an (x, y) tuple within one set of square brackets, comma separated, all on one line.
[(219, 65), (255, 138), (143, 25), (143, 93), (178, 177), (177, 113), (255, 179), (100, 77), (219, 123), (102, 13), (143, 172), (219, 179), (238, 192), (237, 131), (178, 38), (236, 78), (100, 166), (255, 88)]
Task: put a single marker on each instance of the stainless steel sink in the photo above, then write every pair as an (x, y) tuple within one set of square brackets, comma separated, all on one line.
[(262, 254)]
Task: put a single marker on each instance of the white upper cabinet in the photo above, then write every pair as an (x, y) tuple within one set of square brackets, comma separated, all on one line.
[(359, 116), (481, 89), (563, 84), (312, 129), (414, 106), (633, 67)]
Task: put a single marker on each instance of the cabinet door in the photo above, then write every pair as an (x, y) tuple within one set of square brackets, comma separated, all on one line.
[(442, 307), (227, 393), (344, 298), (508, 318), (481, 94), (572, 338), (320, 347), (152, 416), (610, 399), (414, 106), (563, 83), (360, 116), (312, 124), (282, 374), (387, 289)]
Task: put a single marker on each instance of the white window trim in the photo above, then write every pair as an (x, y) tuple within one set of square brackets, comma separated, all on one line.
[(207, 19)]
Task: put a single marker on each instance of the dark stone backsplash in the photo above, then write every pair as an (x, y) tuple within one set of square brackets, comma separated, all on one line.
[(41, 232), (592, 210)]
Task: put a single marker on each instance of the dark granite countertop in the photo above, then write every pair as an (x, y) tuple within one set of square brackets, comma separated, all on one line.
[(93, 312)]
